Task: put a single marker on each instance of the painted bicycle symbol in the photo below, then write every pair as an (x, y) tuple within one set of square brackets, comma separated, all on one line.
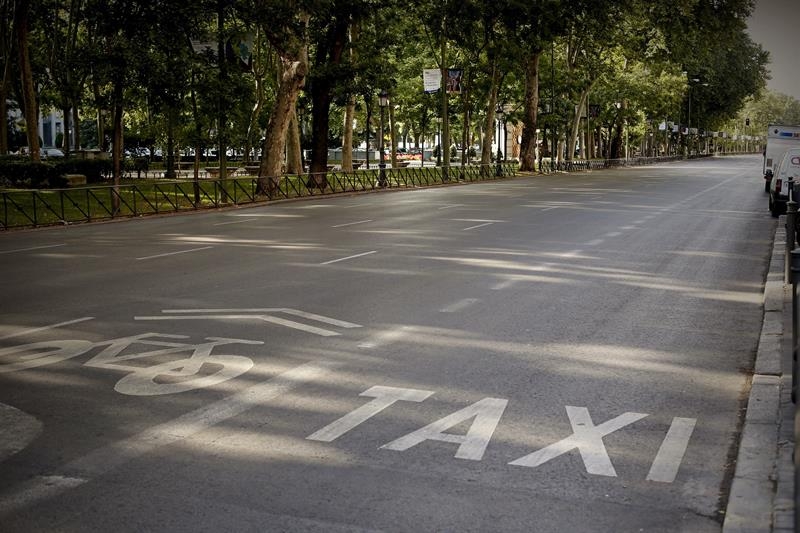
[(159, 363), (170, 368)]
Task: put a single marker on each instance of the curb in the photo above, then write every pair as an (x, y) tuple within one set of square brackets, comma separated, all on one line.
[(752, 494)]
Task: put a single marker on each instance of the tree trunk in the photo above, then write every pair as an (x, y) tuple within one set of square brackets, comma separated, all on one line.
[(329, 52), (347, 137), (292, 80), (76, 126), (489, 129), (21, 26), (294, 159), (531, 109)]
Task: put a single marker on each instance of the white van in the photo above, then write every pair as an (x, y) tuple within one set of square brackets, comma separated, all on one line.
[(779, 139), (789, 167)]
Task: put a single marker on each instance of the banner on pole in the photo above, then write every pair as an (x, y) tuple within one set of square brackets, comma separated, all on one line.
[(431, 80), (455, 78)]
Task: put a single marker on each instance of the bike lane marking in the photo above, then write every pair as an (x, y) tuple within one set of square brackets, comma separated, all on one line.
[(103, 460)]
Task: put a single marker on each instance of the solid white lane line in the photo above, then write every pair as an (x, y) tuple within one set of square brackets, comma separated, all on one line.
[(32, 248), (348, 257), (595, 242), (105, 459), (478, 226), (351, 224), (174, 253), (614, 234), (44, 328), (236, 222)]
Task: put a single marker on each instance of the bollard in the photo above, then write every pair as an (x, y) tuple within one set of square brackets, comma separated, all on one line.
[(791, 230), (795, 280)]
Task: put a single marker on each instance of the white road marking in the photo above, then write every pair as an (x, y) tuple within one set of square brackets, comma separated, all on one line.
[(670, 454), (472, 446), (384, 397), (450, 206), (32, 248), (459, 305), (572, 253), (110, 457), (550, 208), (595, 242), (174, 253), (351, 224), (44, 328), (266, 318), (614, 234), (236, 222), (348, 257), (295, 312), (478, 226), (587, 437)]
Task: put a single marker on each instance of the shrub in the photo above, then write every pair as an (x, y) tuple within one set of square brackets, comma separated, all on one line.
[(95, 170), (26, 174)]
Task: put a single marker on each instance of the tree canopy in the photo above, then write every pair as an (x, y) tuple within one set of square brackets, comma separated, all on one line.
[(269, 77)]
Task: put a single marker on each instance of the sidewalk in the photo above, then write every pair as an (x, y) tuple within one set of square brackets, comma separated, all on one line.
[(762, 493)]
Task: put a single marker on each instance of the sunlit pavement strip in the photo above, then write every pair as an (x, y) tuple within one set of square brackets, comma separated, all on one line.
[(105, 459), (459, 305)]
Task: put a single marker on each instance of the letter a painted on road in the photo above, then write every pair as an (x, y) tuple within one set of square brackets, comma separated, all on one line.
[(486, 412)]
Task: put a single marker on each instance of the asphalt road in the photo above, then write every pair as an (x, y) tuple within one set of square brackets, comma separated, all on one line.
[(554, 353)]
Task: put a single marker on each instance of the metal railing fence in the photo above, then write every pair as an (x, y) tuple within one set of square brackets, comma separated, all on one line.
[(44, 207)]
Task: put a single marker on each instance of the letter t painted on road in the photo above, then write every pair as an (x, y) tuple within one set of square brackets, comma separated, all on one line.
[(384, 397)]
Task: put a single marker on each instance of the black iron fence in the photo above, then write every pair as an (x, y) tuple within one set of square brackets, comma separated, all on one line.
[(47, 207), (33, 208)]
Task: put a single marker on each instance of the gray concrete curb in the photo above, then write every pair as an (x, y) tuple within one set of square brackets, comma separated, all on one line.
[(752, 497)]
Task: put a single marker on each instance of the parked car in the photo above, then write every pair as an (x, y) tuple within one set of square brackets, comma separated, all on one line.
[(789, 167)]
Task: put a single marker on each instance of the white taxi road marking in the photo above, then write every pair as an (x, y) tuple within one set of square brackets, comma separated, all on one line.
[(670, 454), (348, 257), (174, 253), (383, 398), (472, 446), (110, 457), (586, 437)]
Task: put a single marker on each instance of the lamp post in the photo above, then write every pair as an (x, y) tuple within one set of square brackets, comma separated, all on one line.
[(692, 82), (499, 114), (383, 102)]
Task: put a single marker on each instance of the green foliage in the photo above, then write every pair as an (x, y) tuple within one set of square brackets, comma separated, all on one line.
[(28, 175), (95, 170)]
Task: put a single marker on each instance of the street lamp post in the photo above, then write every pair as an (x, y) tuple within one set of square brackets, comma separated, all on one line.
[(383, 102), (499, 113)]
